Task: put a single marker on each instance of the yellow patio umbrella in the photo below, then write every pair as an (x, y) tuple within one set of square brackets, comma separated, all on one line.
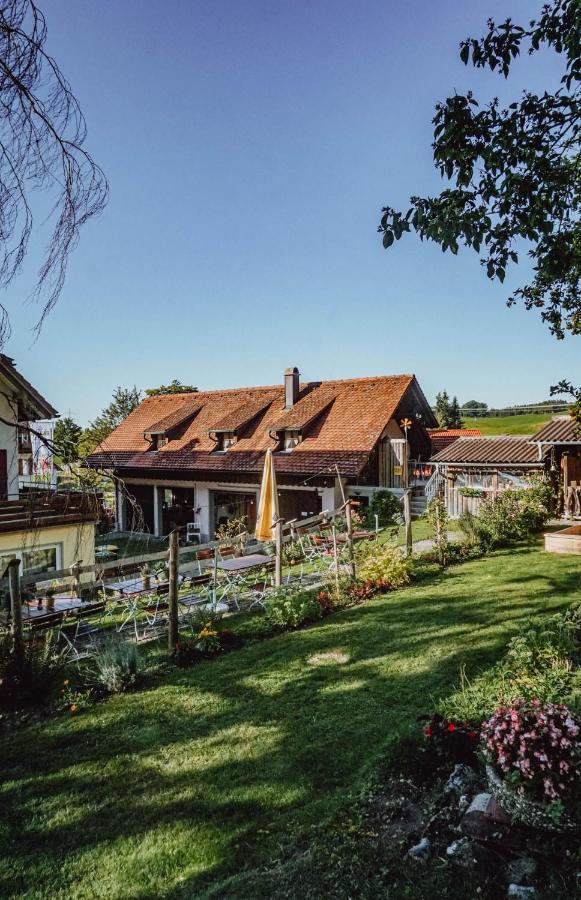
[(268, 503)]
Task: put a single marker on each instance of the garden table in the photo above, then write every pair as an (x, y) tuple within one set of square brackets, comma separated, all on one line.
[(129, 588), (243, 563), (62, 603)]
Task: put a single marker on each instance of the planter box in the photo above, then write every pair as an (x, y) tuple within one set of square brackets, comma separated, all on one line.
[(566, 541), (521, 809)]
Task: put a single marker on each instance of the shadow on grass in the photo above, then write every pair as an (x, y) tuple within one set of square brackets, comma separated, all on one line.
[(163, 792)]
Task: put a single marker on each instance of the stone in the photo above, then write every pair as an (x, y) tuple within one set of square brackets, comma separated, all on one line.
[(461, 780), (463, 803), (462, 852), (521, 892), (483, 821), (521, 871), (421, 850)]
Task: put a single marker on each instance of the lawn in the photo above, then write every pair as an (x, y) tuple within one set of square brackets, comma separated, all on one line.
[(527, 423), (211, 770)]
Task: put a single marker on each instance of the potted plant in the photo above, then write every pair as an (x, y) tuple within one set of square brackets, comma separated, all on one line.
[(533, 756), (146, 576)]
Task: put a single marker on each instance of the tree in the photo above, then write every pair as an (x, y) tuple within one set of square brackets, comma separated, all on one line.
[(124, 401), (474, 409), (66, 436), (448, 411), (443, 409), (455, 415), (175, 387), (41, 147), (565, 387), (516, 171)]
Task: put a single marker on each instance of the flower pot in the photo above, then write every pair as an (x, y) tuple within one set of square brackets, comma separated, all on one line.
[(146, 582), (522, 809)]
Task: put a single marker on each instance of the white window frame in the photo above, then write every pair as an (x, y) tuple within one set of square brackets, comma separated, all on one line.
[(19, 554)]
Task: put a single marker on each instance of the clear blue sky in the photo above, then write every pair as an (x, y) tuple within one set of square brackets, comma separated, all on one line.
[(249, 148)]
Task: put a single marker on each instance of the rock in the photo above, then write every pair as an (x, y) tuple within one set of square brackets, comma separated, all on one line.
[(463, 803), (521, 892), (462, 852), (461, 780), (521, 871), (421, 850), (485, 821)]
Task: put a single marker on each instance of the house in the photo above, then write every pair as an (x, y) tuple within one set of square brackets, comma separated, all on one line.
[(443, 437), (46, 530), (484, 465), (198, 457), (475, 466), (559, 444)]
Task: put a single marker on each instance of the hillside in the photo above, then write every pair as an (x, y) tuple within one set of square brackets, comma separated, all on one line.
[(525, 424)]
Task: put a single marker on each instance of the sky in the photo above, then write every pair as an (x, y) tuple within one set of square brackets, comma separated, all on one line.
[(250, 147)]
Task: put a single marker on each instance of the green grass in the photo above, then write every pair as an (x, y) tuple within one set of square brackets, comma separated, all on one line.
[(525, 424), (134, 545), (211, 770)]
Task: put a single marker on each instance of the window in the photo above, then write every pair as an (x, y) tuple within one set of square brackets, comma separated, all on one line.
[(291, 439), (36, 560), (225, 440)]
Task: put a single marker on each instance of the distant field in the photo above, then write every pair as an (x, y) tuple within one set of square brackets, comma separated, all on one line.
[(525, 424)]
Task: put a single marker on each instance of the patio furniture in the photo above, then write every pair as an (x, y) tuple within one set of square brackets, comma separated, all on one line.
[(81, 628), (202, 556), (226, 552), (237, 570), (193, 533)]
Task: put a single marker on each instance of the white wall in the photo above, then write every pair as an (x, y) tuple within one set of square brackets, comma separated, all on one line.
[(9, 436)]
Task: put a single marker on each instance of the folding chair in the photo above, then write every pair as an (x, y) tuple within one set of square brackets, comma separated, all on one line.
[(203, 556), (81, 630), (226, 552)]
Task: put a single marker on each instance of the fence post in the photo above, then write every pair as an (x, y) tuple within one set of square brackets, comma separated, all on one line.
[(336, 559), (16, 610), (350, 537), (215, 579), (174, 553), (278, 557), (407, 514)]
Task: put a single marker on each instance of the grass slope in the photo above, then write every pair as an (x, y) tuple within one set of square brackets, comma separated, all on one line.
[(168, 791), (525, 424)]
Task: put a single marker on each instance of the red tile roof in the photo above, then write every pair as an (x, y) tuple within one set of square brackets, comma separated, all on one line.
[(443, 437), (343, 418)]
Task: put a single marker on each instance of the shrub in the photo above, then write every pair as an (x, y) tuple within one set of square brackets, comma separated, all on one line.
[(383, 564), (290, 608), (536, 748), (186, 652), (451, 741), (469, 529), (386, 507), (115, 666), (208, 641), (537, 666), (437, 517), (32, 680), (514, 514), (292, 553)]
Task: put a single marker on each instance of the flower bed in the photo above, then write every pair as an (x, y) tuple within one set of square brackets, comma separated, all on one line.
[(534, 762)]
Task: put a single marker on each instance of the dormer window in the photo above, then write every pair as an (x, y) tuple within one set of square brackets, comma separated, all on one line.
[(292, 437), (156, 441), (225, 440)]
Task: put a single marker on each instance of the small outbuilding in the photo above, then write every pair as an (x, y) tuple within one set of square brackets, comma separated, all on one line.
[(472, 468)]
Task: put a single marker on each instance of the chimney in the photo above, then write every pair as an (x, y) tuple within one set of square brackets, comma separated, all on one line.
[(291, 387)]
